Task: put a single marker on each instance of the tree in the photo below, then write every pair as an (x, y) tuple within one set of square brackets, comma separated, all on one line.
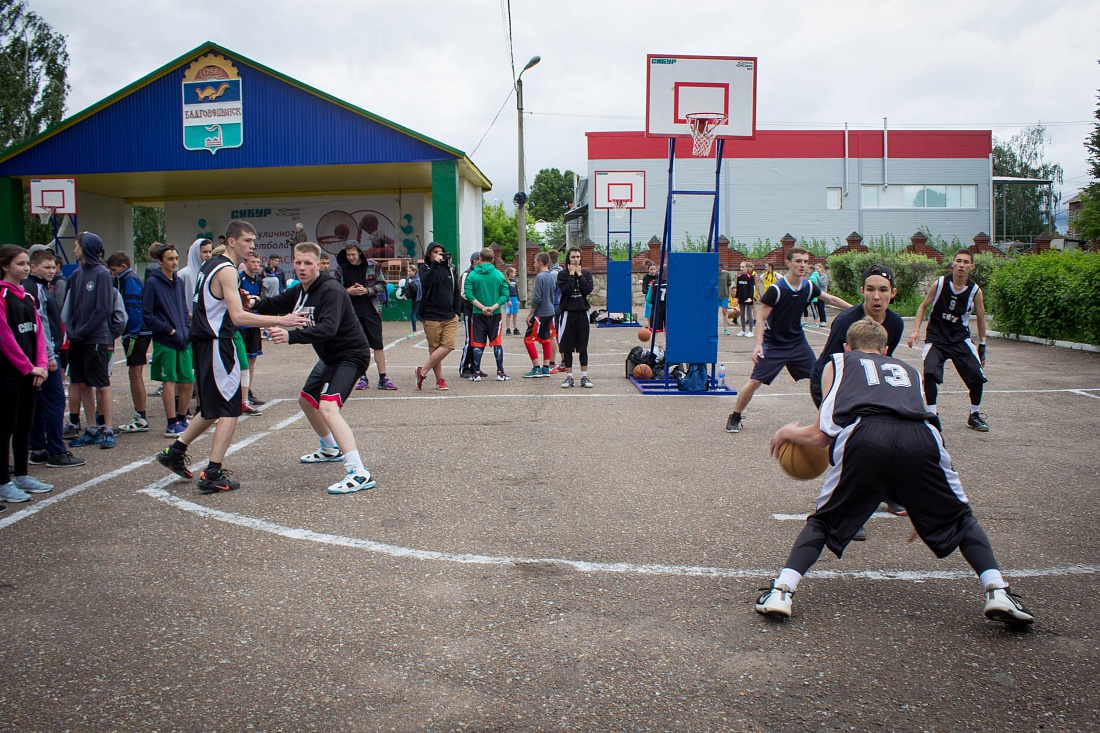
[(501, 227), (1087, 222), (148, 228), (33, 74), (1025, 209), (33, 87), (551, 194)]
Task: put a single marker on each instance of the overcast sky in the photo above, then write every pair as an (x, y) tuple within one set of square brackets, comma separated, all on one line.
[(442, 67)]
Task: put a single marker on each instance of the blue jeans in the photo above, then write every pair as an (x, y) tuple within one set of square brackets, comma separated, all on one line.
[(49, 413), (413, 313)]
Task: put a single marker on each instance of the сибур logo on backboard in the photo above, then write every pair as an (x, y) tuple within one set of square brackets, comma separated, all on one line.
[(212, 114)]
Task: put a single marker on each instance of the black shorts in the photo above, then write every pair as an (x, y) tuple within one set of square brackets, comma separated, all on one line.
[(963, 355), (883, 458), (217, 377), (797, 357), (136, 349), (372, 327), (573, 331), (485, 330), (253, 342), (540, 328), (90, 364), (815, 384), (334, 382)]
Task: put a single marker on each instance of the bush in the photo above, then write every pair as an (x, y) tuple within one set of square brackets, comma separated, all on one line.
[(1054, 295), (910, 270)]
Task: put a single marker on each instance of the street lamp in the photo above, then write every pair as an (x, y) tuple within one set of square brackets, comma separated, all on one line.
[(520, 199)]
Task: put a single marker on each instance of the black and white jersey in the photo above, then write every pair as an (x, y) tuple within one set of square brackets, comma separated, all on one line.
[(838, 334), (209, 315), (784, 324), (871, 384), (949, 322)]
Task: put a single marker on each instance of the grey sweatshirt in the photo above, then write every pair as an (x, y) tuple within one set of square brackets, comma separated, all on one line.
[(543, 299)]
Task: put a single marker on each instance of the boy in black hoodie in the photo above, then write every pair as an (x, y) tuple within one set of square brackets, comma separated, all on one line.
[(365, 282), (439, 304), (343, 355)]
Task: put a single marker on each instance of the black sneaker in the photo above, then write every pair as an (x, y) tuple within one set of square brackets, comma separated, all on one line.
[(214, 480), (247, 409), (733, 424), (254, 400), (64, 460), (38, 457), (976, 421), (175, 461)]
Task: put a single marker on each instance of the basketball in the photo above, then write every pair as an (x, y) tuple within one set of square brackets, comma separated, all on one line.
[(803, 461), (644, 334), (643, 371)]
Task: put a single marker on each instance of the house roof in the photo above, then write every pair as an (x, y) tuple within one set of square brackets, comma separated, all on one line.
[(296, 139)]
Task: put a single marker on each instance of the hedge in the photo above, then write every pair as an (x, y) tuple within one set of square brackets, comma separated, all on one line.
[(1054, 295)]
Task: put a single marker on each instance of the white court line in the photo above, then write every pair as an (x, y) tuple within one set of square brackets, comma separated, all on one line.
[(1083, 393), (44, 503), (157, 491)]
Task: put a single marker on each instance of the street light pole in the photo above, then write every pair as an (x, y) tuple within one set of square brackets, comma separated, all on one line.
[(521, 197)]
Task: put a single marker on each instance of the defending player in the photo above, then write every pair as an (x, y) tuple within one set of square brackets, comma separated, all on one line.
[(216, 313), (948, 335), (781, 342), (343, 353), (885, 445)]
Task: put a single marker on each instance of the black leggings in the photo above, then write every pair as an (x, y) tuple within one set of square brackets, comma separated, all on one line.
[(974, 546), (15, 424), (932, 391)]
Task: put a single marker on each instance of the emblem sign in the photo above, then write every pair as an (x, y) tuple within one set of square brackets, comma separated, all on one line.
[(212, 115)]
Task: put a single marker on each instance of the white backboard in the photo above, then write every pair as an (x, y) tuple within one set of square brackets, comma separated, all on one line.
[(681, 85), (58, 193), (623, 185)]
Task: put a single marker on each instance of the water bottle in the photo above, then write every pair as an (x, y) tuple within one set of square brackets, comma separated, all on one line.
[(721, 376)]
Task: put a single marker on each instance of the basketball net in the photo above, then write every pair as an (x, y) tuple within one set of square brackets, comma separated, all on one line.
[(704, 129), (47, 214), (619, 207)]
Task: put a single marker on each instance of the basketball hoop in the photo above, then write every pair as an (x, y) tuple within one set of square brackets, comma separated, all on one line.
[(46, 214), (704, 129), (619, 206)]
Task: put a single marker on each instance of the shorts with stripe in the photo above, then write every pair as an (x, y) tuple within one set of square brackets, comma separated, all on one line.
[(136, 349), (334, 382), (798, 358), (485, 330), (883, 458), (540, 328), (574, 333), (217, 377), (253, 342), (963, 355)]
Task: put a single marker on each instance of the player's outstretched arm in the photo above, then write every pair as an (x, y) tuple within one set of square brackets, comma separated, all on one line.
[(224, 286), (921, 309), (801, 434), (835, 301)]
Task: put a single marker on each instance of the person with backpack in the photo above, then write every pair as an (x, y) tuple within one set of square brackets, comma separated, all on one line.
[(89, 307), (135, 341), (365, 282)]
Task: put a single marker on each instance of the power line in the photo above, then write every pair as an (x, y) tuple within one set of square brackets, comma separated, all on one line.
[(490, 127)]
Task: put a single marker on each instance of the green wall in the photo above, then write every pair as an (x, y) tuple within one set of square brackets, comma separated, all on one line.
[(445, 205), (11, 211)]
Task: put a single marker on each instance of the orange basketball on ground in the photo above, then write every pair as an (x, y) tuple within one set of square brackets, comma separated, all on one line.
[(643, 371), (644, 334), (803, 461)]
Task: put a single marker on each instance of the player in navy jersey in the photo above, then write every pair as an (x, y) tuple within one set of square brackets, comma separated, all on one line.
[(781, 342), (216, 313), (954, 299), (885, 445)]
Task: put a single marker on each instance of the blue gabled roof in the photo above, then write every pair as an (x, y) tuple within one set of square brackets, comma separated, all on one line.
[(285, 123)]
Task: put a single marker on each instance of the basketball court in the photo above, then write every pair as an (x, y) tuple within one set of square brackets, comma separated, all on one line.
[(535, 558)]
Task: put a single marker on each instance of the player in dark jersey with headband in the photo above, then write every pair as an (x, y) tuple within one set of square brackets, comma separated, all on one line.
[(954, 299), (885, 445), (216, 313)]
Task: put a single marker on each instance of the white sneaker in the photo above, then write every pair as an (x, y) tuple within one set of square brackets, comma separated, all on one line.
[(740, 333), (1001, 604), (323, 456), (775, 602), (138, 425), (748, 333), (358, 479)]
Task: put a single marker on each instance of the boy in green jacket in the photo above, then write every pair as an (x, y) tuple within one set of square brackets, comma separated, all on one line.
[(487, 289)]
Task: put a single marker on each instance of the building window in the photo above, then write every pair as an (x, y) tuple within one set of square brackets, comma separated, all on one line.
[(913, 196), (833, 199)]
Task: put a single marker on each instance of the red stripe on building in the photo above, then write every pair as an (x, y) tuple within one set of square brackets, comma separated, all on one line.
[(804, 144)]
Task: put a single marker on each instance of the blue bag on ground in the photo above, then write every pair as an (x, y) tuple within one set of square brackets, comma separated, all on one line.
[(695, 380)]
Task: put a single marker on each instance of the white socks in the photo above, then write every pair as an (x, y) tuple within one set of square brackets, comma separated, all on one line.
[(352, 461), (975, 408), (328, 442), (788, 578), (932, 409), (992, 578)]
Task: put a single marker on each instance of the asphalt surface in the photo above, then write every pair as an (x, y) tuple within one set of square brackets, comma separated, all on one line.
[(541, 559)]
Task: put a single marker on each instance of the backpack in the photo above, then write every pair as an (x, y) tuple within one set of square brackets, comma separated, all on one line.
[(696, 379), (119, 319), (638, 355)]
